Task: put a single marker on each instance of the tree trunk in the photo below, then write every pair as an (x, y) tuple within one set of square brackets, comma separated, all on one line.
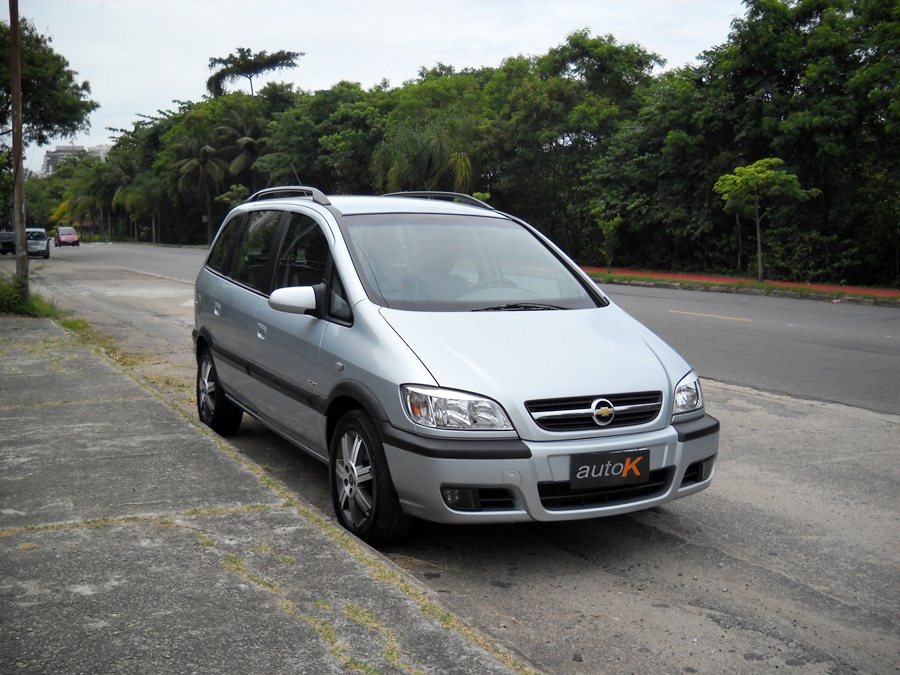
[(737, 225), (209, 230), (15, 72), (759, 264)]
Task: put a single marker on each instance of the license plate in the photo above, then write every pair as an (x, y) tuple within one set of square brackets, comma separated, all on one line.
[(609, 469)]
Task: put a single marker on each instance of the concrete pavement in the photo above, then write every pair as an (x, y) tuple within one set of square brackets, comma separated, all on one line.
[(131, 540)]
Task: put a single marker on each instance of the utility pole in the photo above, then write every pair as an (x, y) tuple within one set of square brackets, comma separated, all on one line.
[(15, 70)]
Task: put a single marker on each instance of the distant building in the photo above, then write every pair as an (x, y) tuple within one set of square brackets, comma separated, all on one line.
[(53, 158)]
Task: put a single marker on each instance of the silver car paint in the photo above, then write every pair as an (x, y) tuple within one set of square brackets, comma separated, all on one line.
[(510, 357), (550, 355)]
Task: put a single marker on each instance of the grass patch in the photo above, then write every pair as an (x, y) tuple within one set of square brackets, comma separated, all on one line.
[(12, 301), (236, 564)]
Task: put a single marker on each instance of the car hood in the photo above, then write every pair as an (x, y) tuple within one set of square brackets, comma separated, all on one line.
[(515, 356)]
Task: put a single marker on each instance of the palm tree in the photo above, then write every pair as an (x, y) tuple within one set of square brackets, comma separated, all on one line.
[(123, 170), (244, 63), (242, 133), (427, 155), (200, 168)]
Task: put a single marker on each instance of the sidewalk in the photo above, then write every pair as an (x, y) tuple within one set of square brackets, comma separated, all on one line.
[(834, 292), (133, 541)]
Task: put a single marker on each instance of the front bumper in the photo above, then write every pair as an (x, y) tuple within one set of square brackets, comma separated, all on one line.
[(513, 480)]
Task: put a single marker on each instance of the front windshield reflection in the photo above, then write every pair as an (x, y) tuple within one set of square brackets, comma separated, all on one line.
[(453, 263)]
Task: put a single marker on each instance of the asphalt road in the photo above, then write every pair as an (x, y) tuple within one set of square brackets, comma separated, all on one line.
[(838, 352), (789, 561)]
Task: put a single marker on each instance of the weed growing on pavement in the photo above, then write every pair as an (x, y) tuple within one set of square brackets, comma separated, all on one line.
[(205, 540), (12, 301), (234, 563), (391, 652)]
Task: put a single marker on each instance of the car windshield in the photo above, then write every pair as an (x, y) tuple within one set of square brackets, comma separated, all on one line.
[(66, 230), (433, 262), (35, 235)]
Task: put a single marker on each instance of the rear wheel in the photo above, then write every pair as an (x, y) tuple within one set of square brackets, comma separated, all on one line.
[(214, 410), (362, 492)]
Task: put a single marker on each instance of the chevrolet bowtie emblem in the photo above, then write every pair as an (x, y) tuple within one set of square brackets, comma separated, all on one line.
[(604, 411)]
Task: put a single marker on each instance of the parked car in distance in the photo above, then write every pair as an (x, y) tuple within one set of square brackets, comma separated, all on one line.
[(7, 241), (445, 360), (37, 242), (67, 236)]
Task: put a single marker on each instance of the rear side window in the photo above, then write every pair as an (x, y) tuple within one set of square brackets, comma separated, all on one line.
[(221, 255), (253, 259)]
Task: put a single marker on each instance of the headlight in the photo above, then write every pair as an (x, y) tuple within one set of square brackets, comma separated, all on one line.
[(448, 409), (688, 395)]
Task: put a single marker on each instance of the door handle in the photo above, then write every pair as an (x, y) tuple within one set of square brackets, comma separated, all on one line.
[(261, 331)]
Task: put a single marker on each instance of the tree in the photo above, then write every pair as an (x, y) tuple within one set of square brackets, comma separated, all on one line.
[(200, 169), (54, 104), (242, 134), (244, 63), (753, 190), (428, 155)]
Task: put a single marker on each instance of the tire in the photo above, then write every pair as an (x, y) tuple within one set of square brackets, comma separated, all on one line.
[(365, 501), (213, 408), (47, 252)]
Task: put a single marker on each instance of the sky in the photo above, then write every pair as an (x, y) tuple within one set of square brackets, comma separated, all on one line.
[(141, 55)]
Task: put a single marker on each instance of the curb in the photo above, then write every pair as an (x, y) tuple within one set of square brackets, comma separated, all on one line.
[(793, 295)]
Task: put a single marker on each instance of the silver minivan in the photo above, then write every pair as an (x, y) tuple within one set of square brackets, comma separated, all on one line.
[(446, 360), (37, 242)]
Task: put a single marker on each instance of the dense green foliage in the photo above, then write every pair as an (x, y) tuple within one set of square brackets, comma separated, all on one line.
[(590, 142), (54, 103)]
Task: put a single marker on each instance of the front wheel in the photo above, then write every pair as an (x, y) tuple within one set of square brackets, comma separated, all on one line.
[(214, 410), (362, 492)]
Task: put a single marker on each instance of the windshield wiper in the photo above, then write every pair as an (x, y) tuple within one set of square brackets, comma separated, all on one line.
[(518, 307)]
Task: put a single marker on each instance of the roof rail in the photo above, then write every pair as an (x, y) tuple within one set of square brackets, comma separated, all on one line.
[(290, 191), (444, 196)]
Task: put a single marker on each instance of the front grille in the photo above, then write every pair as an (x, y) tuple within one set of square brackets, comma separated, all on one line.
[(561, 497), (577, 413)]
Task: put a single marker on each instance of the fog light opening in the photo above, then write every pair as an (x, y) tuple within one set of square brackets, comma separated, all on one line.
[(705, 470), (460, 499)]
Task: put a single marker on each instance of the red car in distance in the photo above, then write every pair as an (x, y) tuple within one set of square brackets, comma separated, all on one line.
[(67, 236)]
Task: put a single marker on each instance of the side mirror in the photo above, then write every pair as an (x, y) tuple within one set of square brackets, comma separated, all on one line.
[(299, 300)]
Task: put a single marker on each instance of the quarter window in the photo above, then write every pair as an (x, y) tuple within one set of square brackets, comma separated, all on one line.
[(220, 257), (338, 305)]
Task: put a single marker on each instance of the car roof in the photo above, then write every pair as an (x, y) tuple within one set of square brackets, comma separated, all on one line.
[(356, 205), (351, 205)]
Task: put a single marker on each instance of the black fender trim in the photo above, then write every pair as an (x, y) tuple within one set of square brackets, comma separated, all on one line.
[(452, 448), (691, 431)]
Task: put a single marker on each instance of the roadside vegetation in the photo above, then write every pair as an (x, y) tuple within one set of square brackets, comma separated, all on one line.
[(774, 155), (13, 300)]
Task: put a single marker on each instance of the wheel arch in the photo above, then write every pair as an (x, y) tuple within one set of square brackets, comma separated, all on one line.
[(202, 340), (349, 396)]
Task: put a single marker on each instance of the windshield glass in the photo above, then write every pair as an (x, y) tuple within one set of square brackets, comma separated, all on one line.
[(66, 230), (35, 235), (453, 263)]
